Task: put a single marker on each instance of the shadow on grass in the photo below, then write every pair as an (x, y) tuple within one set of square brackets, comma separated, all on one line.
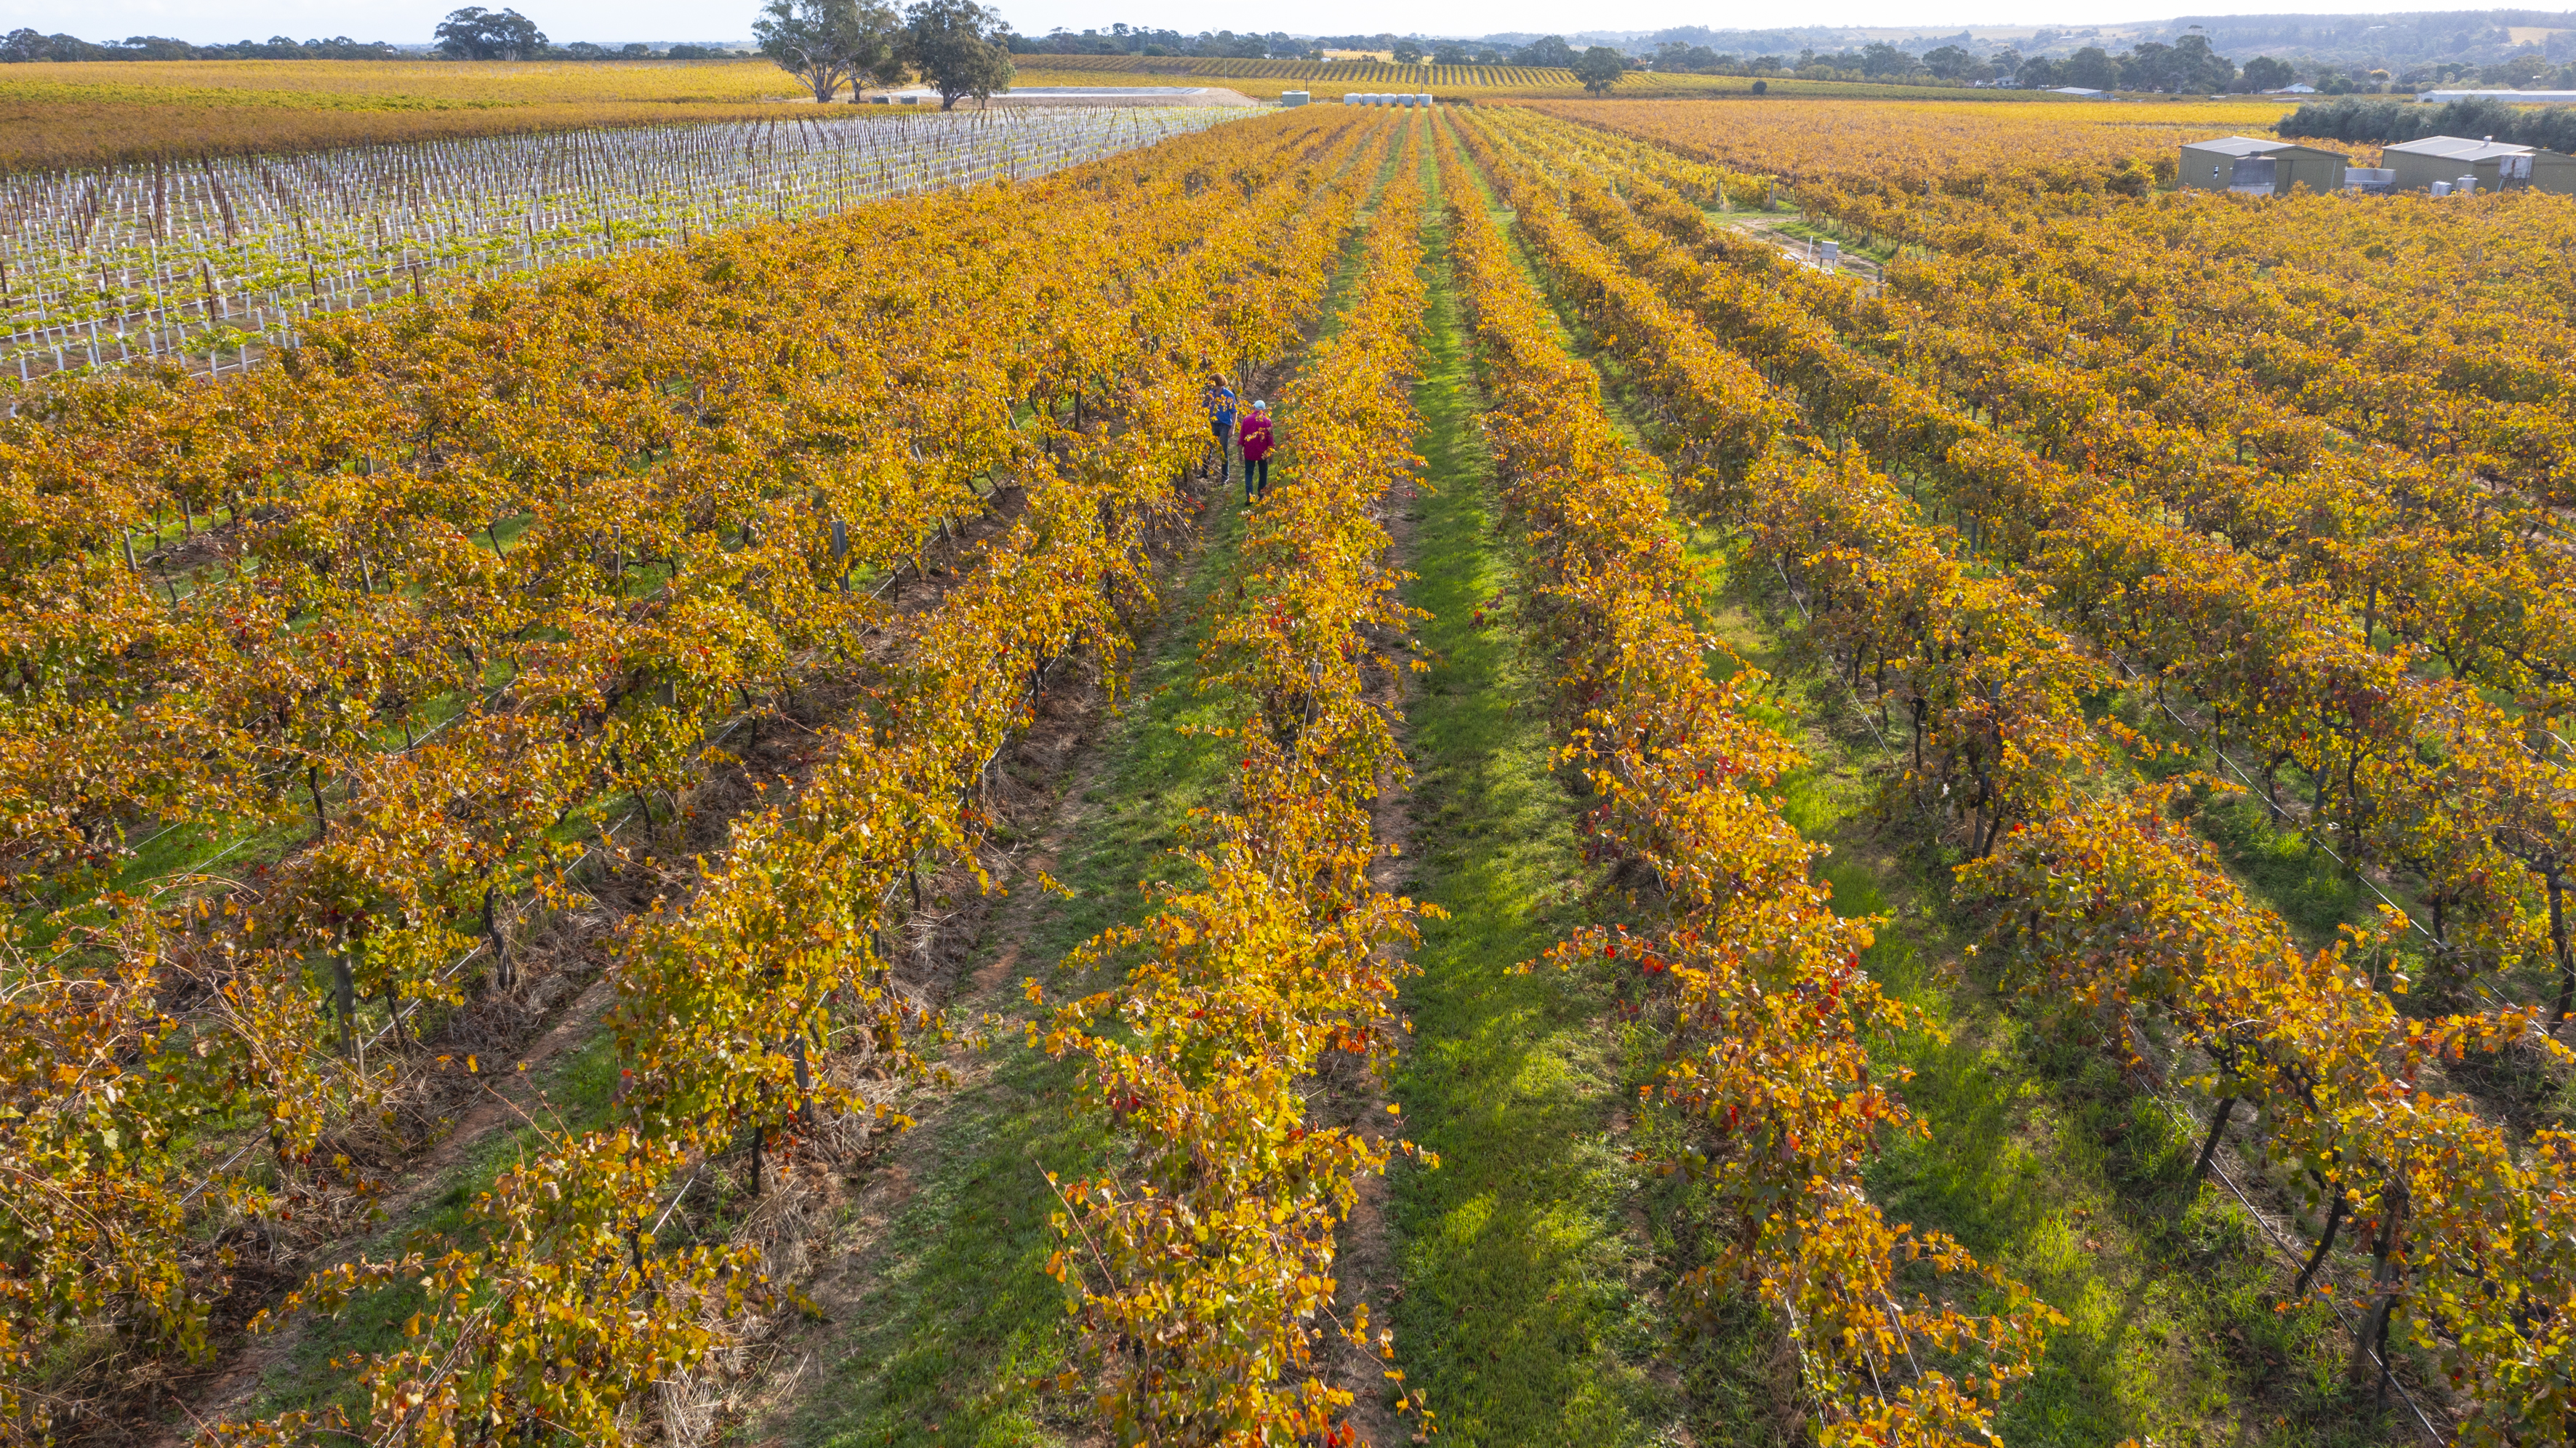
[(2042, 1160), (575, 1098)]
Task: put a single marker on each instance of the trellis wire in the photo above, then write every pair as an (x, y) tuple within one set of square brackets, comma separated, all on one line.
[(212, 263)]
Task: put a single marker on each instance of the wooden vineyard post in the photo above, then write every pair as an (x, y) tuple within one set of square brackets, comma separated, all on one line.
[(2555, 879), (804, 1085), (504, 974), (344, 996)]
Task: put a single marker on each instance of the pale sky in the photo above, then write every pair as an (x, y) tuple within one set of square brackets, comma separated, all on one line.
[(404, 21)]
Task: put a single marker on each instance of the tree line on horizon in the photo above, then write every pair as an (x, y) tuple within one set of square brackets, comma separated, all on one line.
[(470, 33), (25, 44), (2190, 64)]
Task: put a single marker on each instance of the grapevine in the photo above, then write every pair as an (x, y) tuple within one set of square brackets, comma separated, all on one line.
[(1769, 1061)]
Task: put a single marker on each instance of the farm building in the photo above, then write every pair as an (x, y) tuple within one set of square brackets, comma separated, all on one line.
[(2496, 165), (2263, 168)]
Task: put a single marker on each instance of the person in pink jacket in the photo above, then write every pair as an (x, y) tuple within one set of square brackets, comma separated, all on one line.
[(1255, 437)]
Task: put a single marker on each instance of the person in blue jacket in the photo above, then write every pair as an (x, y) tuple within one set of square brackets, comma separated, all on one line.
[(1220, 401)]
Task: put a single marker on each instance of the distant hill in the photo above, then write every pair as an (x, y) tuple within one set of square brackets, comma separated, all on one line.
[(2477, 37)]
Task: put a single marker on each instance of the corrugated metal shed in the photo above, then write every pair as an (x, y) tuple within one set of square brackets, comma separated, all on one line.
[(2496, 165), (2212, 165)]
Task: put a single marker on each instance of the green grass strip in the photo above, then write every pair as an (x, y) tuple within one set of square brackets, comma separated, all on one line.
[(1523, 1317)]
